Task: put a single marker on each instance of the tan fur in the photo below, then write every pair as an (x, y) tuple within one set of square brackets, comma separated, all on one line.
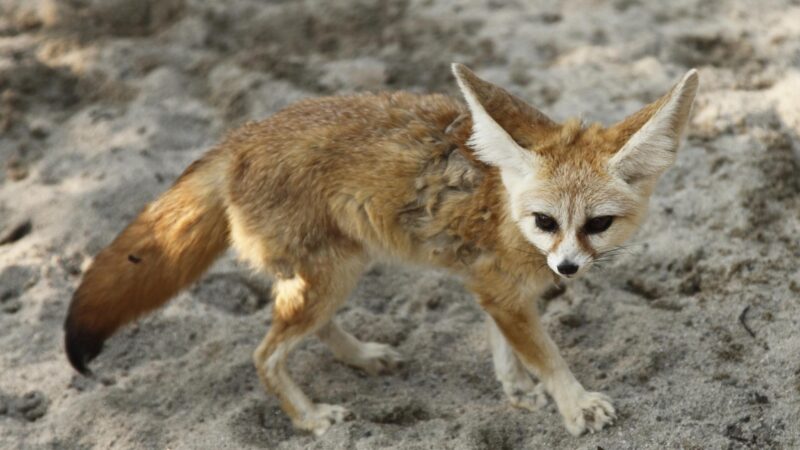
[(315, 192)]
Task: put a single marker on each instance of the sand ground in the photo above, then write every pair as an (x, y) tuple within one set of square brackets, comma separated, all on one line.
[(104, 102)]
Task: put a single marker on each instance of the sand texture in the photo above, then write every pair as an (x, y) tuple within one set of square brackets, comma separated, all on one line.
[(103, 103)]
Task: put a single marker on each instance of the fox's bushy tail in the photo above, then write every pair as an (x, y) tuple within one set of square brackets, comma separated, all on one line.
[(169, 245)]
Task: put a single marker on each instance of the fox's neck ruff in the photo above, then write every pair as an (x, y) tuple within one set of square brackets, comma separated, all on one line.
[(461, 212)]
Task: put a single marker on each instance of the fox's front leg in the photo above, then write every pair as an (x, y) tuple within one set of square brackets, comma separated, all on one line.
[(519, 323), (520, 389)]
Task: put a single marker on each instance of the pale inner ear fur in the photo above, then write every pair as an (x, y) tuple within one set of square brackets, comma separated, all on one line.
[(652, 149), (492, 144)]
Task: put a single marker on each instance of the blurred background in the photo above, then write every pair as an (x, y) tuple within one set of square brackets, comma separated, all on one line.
[(693, 331)]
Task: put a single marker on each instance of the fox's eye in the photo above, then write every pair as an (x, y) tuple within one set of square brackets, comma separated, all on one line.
[(545, 222), (598, 224)]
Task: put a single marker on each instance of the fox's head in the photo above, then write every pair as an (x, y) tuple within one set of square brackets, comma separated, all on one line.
[(575, 192)]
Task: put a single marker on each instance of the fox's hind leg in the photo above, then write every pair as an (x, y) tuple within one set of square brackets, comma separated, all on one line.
[(371, 357), (304, 303), (520, 389)]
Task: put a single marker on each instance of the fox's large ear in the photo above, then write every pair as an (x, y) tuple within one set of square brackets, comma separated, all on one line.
[(502, 124), (650, 138)]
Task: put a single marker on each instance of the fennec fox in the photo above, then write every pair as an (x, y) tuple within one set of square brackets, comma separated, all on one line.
[(493, 190)]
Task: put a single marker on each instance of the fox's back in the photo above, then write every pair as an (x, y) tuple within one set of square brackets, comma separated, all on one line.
[(341, 131), (353, 167)]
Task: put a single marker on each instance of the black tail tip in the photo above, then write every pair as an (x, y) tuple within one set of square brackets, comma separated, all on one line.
[(82, 346)]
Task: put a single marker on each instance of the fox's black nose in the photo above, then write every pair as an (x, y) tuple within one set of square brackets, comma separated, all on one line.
[(567, 268)]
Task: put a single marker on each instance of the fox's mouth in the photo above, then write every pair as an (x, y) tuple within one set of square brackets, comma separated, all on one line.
[(566, 277)]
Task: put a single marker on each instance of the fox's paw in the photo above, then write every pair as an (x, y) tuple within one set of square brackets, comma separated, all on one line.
[(375, 358), (526, 396), (591, 411), (323, 417)]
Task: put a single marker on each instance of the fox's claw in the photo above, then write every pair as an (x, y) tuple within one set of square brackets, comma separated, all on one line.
[(592, 412)]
